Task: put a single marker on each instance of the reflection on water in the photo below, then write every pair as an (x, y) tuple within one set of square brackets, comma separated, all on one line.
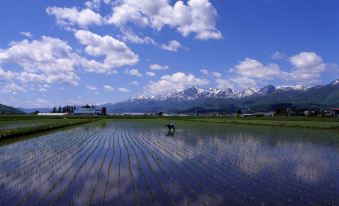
[(170, 133), (141, 163)]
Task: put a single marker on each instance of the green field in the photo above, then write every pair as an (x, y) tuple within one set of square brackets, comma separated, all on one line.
[(20, 125)]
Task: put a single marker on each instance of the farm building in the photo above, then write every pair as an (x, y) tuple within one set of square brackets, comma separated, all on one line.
[(335, 112), (89, 110), (51, 114)]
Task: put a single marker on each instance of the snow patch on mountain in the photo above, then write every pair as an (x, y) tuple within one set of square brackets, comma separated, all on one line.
[(193, 93)]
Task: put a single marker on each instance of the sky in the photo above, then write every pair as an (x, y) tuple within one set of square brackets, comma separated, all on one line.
[(105, 51)]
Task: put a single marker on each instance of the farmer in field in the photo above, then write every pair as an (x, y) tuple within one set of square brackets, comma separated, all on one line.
[(170, 126)]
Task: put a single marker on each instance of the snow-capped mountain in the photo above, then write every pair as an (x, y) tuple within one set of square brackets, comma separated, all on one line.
[(335, 82), (228, 100), (193, 93), (190, 93)]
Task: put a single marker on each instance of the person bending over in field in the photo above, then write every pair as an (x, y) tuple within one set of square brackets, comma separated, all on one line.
[(170, 126)]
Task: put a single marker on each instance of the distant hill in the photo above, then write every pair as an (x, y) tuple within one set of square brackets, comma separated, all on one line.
[(9, 110), (209, 100)]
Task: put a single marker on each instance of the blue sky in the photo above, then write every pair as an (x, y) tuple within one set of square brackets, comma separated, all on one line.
[(96, 51)]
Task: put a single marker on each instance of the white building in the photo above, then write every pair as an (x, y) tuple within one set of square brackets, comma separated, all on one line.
[(52, 114)]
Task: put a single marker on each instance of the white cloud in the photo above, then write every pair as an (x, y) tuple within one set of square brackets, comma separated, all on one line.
[(172, 82), (197, 16), (204, 71), (12, 88), (308, 67), (48, 60), (252, 68), (171, 46), (116, 53), (26, 34), (72, 16), (224, 83), (278, 55), (93, 4), (134, 83), (133, 72), (249, 73), (151, 74), (129, 36), (108, 88), (7, 75), (42, 89), (245, 82), (91, 88), (122, 89), (216, 74), (157, 67)]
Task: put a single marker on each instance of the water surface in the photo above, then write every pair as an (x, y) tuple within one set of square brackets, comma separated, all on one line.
[(137, 162)]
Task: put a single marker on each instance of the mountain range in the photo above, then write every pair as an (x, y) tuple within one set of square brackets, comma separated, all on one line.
[(209, 100), (213, 100)]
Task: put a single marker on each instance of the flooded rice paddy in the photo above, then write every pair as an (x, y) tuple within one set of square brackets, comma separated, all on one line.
[(138, 162)]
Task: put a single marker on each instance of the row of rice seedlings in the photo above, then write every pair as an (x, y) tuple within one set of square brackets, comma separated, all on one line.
[(35, 150), (30, 173), (16, 149), (164, 165), (59, 195), (94, 139), (135, 189), (188, 174), (274, 191), (200, 164), (87, 170), (145, 179), (100, 171), (154, 171), (199, 167), (25, 148), (23, 154), (109, 166), (38, 174), (119, 169), (84, 156), (56, 171), (265, 183), (14, 173), (212, 159)]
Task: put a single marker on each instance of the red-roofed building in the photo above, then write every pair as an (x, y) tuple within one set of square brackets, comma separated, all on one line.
[(335, 112)]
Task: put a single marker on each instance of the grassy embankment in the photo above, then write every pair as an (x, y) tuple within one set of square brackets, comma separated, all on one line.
[(18, 126)]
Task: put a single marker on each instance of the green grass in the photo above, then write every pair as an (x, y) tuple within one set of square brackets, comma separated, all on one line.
[(38, 126)]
